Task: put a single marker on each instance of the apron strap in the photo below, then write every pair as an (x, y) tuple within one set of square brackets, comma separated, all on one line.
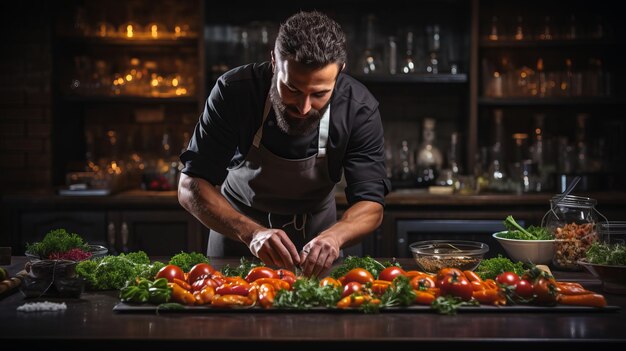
[(259, 133)]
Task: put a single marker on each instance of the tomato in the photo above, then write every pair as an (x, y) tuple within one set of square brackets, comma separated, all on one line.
[(448, 271), (199, 271), (456, 285), (170, 272), (508, 278), (286, 275), (350, 288), (523, 288), (359, 275), (390, 273), (422, 282), (330, 281), (545, 290), (261, 272)]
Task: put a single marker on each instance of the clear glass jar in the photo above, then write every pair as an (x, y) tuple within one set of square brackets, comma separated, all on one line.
[(573, 220), (613, 232)]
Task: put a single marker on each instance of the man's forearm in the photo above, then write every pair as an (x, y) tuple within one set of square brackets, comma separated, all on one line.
[(209, 206), (358, 221)]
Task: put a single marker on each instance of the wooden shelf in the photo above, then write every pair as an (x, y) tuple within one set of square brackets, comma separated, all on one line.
[(414, 78), (130, 99), (528, 44), (556, 101), (186, 41)]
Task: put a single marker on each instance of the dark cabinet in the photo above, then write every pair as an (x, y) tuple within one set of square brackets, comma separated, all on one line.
[(158, 233)]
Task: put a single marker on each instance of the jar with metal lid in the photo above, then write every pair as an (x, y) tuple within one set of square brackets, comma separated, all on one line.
[(574, 222)]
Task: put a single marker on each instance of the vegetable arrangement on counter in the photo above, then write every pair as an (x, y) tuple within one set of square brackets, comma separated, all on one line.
[(359, 283)]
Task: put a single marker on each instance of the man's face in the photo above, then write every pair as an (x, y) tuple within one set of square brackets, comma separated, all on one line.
[(300, 96)]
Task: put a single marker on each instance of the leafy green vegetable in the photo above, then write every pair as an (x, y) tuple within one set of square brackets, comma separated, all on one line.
[(113, 272), (242, 270), (186, 260), (307, 293), (138, 257), (366, 263), (400, 293), (516, 231), (490, 268), (603, 253), (56, 241), (450, 304)]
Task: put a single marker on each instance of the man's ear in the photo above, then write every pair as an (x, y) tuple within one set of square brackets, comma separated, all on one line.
[(273, 62), (342, 67)]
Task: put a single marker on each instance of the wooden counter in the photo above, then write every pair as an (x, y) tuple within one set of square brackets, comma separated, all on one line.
[(89, 323)]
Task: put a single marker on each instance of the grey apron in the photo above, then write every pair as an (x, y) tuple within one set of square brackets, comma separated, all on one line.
[(296, 196)]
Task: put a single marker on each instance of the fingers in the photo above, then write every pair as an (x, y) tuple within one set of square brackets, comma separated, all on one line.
[(317, 259), (274, 248)]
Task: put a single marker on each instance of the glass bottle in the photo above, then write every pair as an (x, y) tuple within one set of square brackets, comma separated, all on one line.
[(370, 62), (408, 65), (546, 32), (574, 221), (497, 175), (520, 32), (392, 55), (434, 46), (429, 159), (582, 149), (494, 30)]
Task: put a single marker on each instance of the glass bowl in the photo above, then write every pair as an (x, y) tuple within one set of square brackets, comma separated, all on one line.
[(613, 277), (528, 251), (433, 255), (96, 251)]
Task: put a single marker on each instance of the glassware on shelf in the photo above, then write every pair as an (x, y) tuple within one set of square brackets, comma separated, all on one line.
[(497, 175), (494, 30), (429, 160), (547, 30), (520, 29), (392, 55), (408, 63), (129, 30), (369, 63), (104, 30), (571, 31), (156, 30), (434, 47)]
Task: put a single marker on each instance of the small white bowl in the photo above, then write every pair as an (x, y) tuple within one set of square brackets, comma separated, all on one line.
[(530, 251)]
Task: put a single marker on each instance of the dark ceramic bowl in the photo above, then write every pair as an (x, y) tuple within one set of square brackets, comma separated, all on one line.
[(613, 277), (96, 252)]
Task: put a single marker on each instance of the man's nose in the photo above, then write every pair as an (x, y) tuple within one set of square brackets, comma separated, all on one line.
[(304, 105)]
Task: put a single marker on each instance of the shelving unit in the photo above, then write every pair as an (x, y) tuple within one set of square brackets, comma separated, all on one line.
[(95, 75), (577, 64)]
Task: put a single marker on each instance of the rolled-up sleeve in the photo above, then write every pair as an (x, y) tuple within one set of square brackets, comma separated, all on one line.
[(364, 163)]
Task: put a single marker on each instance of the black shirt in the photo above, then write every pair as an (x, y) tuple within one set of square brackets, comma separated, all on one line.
[(234, 110)]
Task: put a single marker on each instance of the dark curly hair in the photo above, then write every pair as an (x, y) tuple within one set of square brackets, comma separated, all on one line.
[(313, 39)]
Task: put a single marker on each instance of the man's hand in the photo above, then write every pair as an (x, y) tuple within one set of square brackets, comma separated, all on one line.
[(318, 255), (274, 248)]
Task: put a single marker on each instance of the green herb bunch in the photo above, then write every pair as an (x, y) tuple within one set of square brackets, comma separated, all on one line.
[(56, 241)]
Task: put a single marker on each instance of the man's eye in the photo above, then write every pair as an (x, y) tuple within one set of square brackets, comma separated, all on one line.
[(319, 95)]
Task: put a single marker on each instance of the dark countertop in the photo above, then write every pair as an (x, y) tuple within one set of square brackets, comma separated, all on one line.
[(90, 322)]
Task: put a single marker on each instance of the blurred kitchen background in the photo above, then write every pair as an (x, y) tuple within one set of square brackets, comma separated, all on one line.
[(489, 108)]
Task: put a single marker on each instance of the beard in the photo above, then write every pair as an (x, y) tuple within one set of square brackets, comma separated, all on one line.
[(292, 125)]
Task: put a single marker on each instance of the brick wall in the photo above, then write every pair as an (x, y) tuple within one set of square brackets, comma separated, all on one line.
[(25, 95)]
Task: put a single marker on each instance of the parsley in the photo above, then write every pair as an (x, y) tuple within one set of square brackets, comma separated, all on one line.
[(307, 293), (242, 270), (56, 241), (603, 253), (399, 293), (490, 268), (516, 231), (366, 263), (186, 260), (450, 304)]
